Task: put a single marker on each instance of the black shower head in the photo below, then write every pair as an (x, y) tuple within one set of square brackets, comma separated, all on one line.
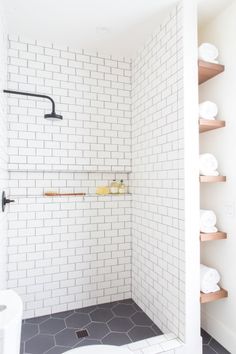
[(52, 116)]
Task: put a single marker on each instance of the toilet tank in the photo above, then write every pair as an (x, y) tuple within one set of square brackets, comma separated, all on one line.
[(11, 309)]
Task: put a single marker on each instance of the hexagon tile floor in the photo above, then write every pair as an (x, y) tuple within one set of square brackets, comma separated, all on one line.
[(115, 323), (211, 346)]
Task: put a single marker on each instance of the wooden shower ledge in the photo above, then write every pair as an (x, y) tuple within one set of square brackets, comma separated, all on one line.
[(52, 194), (221, 294), (214, 236), (208, 70), (212, 179), (206, 125)]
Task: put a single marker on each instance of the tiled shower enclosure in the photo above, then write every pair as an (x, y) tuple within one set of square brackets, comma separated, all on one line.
[(123, 119)]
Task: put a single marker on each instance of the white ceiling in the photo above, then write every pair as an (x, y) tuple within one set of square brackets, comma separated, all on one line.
[(117, 27), (114, 26), (208, 9)]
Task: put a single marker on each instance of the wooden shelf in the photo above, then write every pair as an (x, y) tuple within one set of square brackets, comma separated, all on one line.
[(212, 179), (221, 294), (213, 236), (52, 194), (208, 70), (206, 125)]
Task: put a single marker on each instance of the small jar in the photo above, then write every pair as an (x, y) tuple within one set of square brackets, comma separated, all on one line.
[(114, 188), (122, 188)]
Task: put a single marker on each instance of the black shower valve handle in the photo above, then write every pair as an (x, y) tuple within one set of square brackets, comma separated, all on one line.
[(5, 201), (9, 201)]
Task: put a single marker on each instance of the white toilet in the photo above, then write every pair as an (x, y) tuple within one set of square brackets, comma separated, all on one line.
[(11, 310), (99, 349)]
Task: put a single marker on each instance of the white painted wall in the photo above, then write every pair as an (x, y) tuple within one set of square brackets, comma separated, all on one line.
[(3, 148), (219, 318), (193, 342)]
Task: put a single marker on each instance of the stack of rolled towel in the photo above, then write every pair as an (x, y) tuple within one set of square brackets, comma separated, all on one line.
[(208, 52), (207, 221), (209, 279), (208, 110), (208, 165)]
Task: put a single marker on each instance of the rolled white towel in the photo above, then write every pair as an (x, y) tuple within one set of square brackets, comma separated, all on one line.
[(209, 278), (207, 163), (208, 110), (209, 230), (209, 173), (207, 221), (208, 52)]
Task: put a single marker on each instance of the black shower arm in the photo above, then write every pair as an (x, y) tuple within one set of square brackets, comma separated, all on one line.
[(32, 95)]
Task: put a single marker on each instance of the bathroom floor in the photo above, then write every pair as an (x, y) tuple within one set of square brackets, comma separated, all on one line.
[(211, 346), (115, 323)]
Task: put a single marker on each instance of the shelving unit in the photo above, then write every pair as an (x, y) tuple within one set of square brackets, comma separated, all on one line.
[(207, 71), (221, 294), (220, 235), (212, 179), (206, 125)]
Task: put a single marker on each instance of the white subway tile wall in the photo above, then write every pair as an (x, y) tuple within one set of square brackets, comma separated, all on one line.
[(3, 151), (157, 177), (68, 252), (92, 92)]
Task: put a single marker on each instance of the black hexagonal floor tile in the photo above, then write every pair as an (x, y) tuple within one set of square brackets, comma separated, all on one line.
[(67, 337), (88, 342), (208, 350), (116, 339), (37, 320), (137, 308), (205, 337), (141, 319), (120, 324), (86, 309), (108, 305), (113, 331), (111, 323), (39, 344), (63, 314), (218, 347), (101, 315), (123, 310), (140, 332), (157, 330), (52, 326), (77, 320), (58, 350), (127, 301), (97, 330), (22, 348), (28, 331)]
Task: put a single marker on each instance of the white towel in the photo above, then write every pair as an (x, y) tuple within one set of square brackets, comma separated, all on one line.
[(208, 110), (209, 173), (209, 278), (208, 165), (207, 221), (208, 52)]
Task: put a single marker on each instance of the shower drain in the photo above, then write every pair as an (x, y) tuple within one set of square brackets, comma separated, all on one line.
[(82, 334)]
